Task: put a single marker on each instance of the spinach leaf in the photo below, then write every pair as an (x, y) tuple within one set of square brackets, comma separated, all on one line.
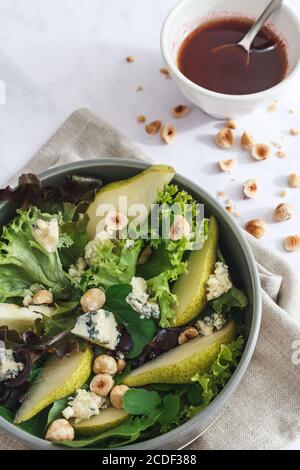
[(141, 402), (56, 409)]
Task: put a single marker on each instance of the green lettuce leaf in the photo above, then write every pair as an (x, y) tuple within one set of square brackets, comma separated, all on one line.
[(141, 402), (235, 298)]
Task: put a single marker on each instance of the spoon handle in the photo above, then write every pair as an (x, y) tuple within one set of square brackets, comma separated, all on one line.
[(251, 35)]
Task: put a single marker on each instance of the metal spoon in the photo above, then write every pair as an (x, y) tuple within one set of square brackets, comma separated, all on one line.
[(247, 41)]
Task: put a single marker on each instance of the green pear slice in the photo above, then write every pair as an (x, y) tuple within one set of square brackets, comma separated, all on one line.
[(58, 378), (21, 318), (190, 288), (107, 419), (141, 189), (180, 364)]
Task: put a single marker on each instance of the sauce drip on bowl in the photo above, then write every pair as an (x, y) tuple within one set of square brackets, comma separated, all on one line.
[(227, 70)]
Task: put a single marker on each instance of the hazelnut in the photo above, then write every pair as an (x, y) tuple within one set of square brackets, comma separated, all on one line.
[(93, 300), (180, 111), (121, 364), (292, 243), (231, 124), (230, 209), (225, 138), (250, 189), (130, 59), (294, 131), (60, 430), (141, 119), (273, 107), (226, 165), (283, 193), (187, 335), (145, 255), (139, 88), (164, 71), (105, 364), (102, 384), (283, 212), (247, 141), (42, 297), (116, 396), (257, 228), (168, 134), (261, 152), (180, 228), (153, 128), (116, 220), (281, 154), (294, 180)]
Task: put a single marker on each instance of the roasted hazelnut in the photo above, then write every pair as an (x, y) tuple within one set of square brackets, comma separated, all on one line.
[(247, 141), (60, 430), (93, 300), (102, 384), (168, 134), (261, 152), (105, 364), (116, 396), (180, 111), (294, 180), (257, 228), (141, 119), (42, 297), (164, 71), (226, 165), (294, 131), (281, 154), (153, 128), (283, 212), (121, 364), (225, 138), (231, 124), (130, 59), (250, 189), (187, 335), (292, 243)]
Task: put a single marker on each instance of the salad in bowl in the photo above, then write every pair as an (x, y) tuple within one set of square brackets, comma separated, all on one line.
[(120, 319)]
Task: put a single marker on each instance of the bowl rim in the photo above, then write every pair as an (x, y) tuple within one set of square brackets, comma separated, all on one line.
[(213, 94), (214, 409)]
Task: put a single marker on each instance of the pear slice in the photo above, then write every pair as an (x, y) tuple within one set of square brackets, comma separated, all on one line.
[(190, 288), (180, 364), (141, 189), (59, 378), (21, 318), (107, 419)]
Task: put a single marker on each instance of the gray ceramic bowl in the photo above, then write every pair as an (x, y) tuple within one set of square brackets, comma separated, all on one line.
[(236, 250)]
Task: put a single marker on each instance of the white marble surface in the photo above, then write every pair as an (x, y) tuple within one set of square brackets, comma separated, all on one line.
[(59, 55)]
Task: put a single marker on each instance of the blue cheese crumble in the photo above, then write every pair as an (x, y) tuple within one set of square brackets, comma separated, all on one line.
[(98, 327), (218, 283), (9, 368), (139, 300), (209, 324), (84, 406)]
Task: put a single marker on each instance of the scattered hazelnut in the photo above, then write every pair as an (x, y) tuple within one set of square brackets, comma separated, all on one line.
[(283, 193), (168, 134), (231, 124), (294, 131), (281, 154), (180, 228), (226, 165), (42, 297), (283, 212), (237, 214), (116, 396), (261, 152), (221, 194), (273, 107), (230, 209), (60, 430), (141, 119), (92, 300), (180, 111), (102, 384), (130, 59), (294, 180), (105, 364), (250, 189), (145, 255), (116, 220), (225, 138), (292, 243), (187, 335), (121, 364), (257, 228), (247, 141), (139, 88), (164, 71), (153, 128)]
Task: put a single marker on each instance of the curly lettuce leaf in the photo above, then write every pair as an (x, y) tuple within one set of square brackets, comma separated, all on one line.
[(113, 263), (24, 262), (235, 298)]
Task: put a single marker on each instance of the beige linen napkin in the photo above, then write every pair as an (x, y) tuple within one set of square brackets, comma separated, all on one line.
[(265, 411)]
